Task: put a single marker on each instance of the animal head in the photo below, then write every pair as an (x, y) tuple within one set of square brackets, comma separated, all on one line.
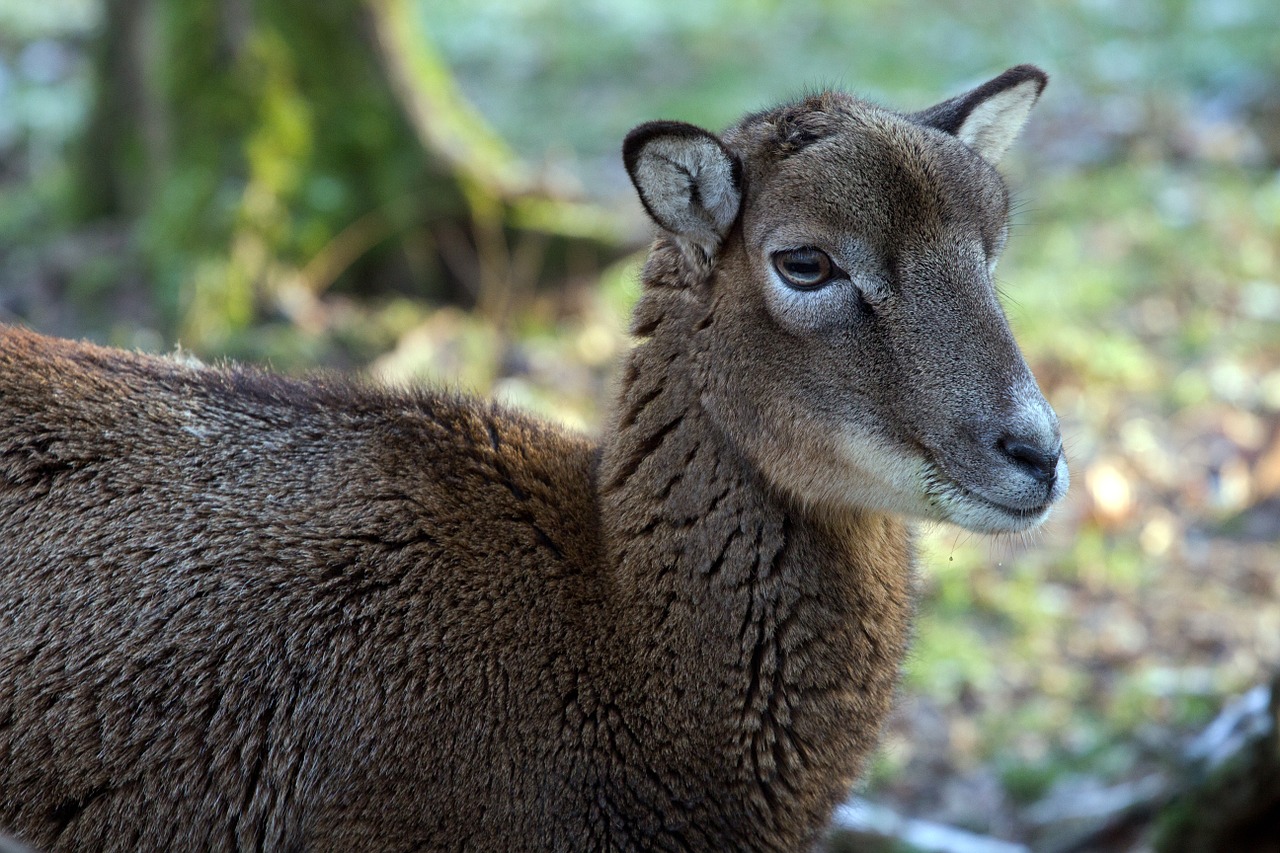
[(834, 262)]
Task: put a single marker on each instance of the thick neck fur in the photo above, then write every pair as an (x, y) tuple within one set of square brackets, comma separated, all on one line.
[(782, 628)]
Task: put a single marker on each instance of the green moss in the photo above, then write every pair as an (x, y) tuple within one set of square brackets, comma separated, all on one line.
[(1028, 783)]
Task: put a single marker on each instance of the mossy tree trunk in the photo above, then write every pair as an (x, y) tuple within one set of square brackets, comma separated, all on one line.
[(270, 149)]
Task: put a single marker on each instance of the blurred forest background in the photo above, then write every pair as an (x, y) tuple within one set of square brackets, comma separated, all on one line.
[(430, 190)]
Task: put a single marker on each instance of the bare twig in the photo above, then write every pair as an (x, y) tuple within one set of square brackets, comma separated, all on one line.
[(866, 821)]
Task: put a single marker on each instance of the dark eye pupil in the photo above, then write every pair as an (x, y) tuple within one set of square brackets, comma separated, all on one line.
[(804, 267)]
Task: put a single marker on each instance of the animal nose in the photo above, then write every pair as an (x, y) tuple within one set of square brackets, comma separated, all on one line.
[(1031, 457)]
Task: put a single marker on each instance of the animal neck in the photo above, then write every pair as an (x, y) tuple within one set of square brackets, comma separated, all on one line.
[(781, 627)]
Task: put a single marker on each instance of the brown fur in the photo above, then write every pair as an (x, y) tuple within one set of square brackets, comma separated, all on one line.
[(238, 610)]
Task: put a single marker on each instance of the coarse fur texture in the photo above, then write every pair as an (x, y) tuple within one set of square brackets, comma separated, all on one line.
[(238, 610)]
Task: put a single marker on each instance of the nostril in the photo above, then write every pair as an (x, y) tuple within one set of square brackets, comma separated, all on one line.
[(1032, 458)]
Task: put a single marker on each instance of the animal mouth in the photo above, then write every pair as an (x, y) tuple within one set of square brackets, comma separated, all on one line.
[(1027, 513), (950, 493)]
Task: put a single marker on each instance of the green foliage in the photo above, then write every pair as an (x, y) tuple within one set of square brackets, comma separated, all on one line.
[(280, 141), (530, 65)]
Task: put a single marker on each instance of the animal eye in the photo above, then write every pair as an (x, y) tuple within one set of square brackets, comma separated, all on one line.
[(805, 268)]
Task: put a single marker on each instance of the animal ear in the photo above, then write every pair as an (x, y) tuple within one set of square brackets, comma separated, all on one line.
[(989, 118), (687, 179)]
